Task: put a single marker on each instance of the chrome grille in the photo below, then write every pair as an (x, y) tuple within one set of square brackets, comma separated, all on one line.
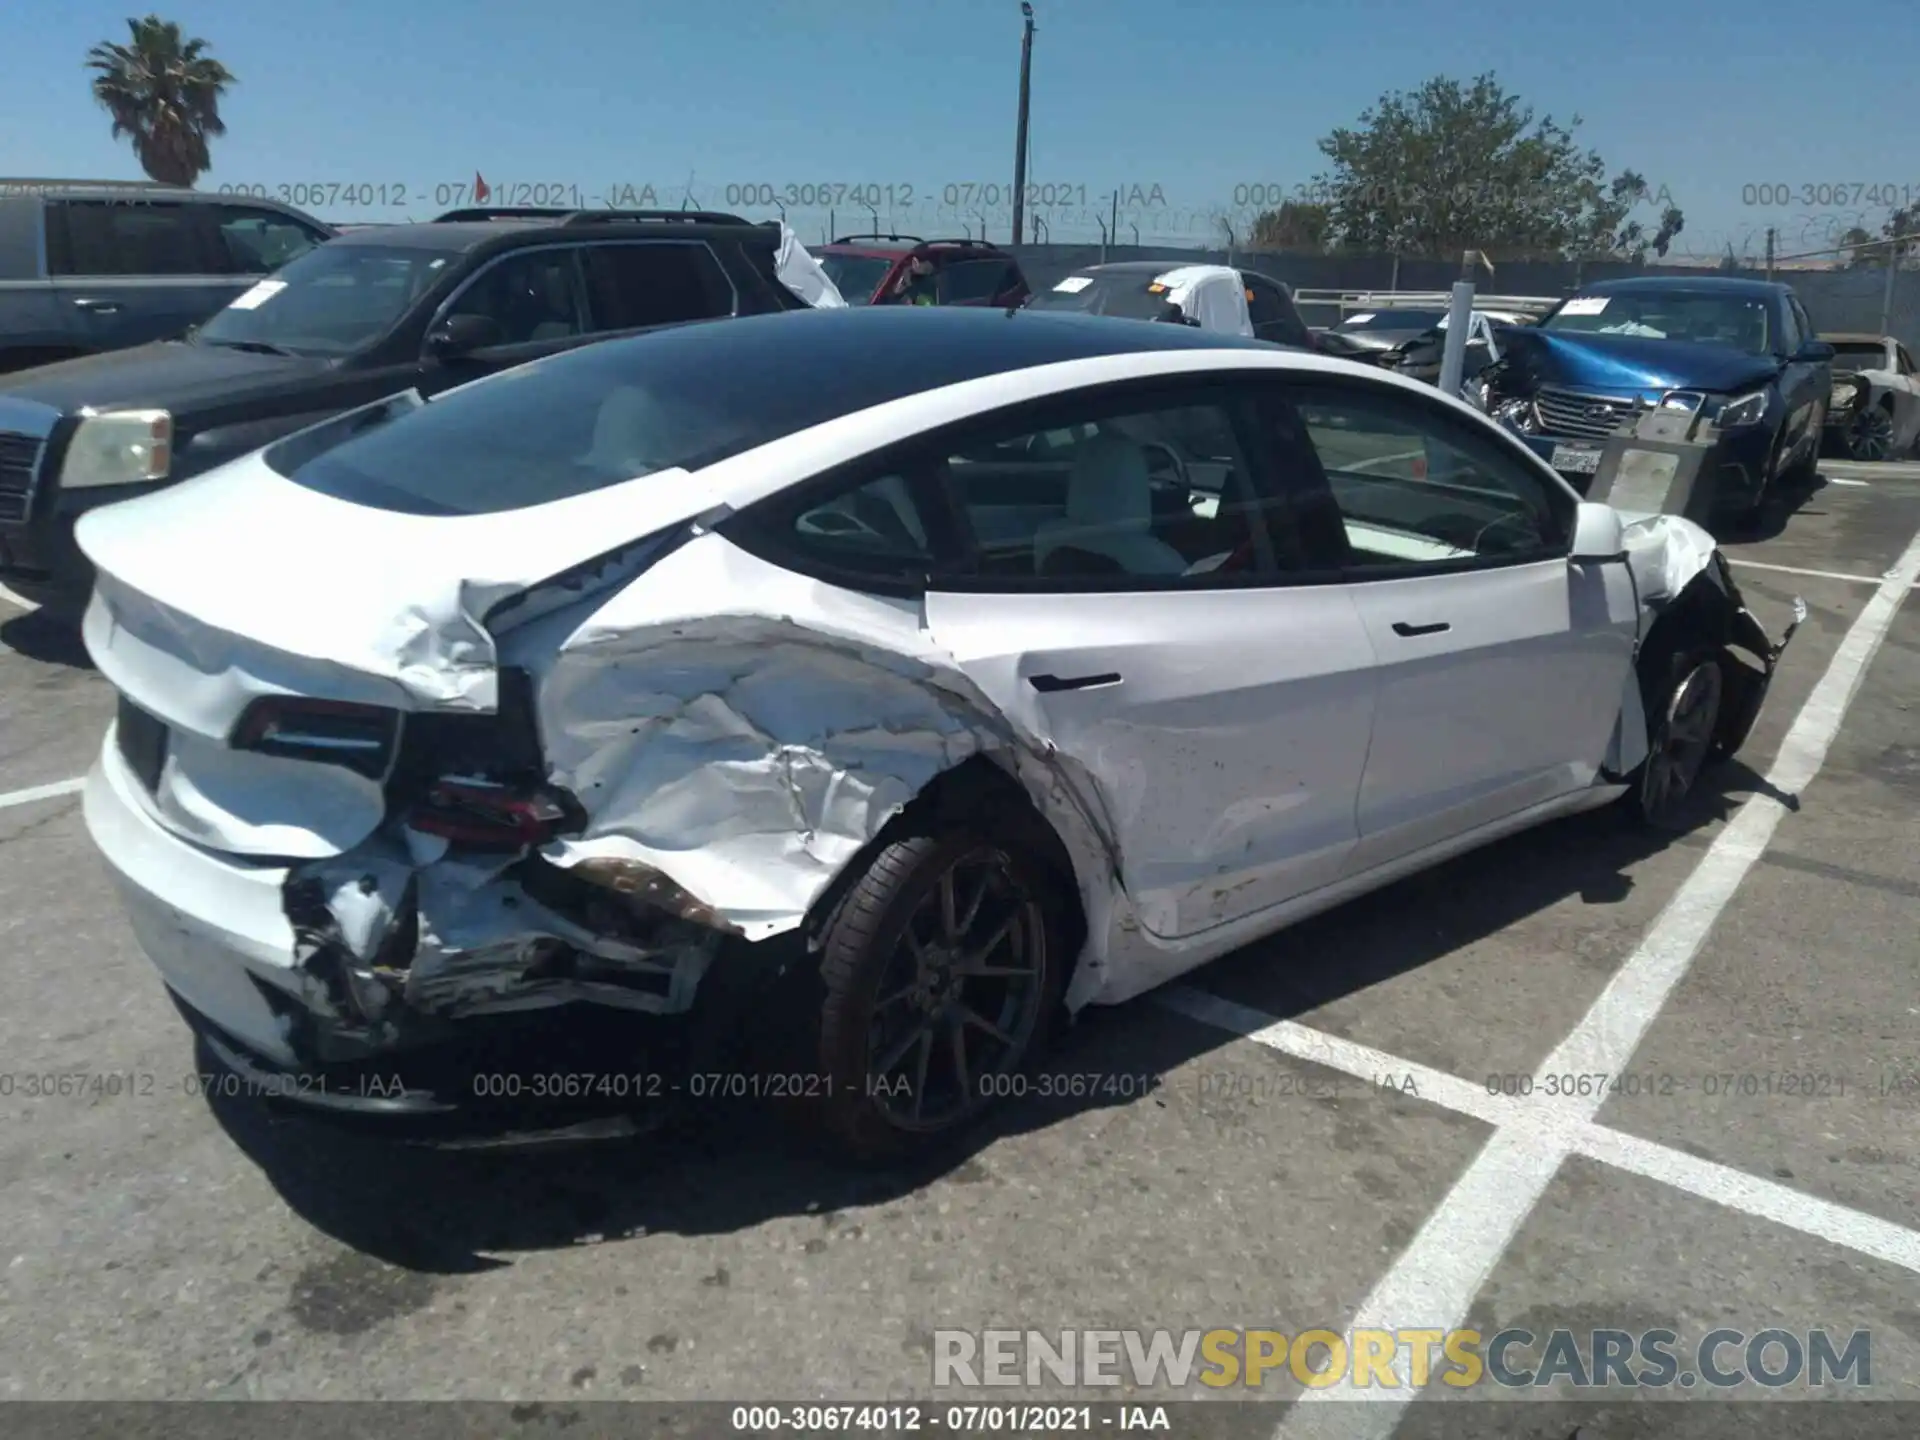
[(19, 459), (1582, 417)]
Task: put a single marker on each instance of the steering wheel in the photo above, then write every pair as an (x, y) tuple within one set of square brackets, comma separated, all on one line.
[(831, 524), (1496, 523)]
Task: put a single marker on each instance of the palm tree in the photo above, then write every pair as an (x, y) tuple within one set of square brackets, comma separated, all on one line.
[(165, 93)]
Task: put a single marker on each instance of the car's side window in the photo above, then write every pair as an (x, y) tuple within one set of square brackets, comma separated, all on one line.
[(1413, 487), (529, 297), (1906, 360), (258, 242), (870, 529), (658, 282), (966, 280), (1105, 493), (103, 238), (1792, 337)]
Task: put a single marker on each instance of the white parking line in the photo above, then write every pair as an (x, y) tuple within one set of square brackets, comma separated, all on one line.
[(1816, 574), (43, 792), (1842, 480), (1447, 1263), (13, 599), (1706, 1179)]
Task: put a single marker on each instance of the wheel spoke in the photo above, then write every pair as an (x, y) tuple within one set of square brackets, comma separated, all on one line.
[(957, 1043), (920, 1069), (974, 963), (899, 1052), (971, 1016), (949, 931), (973, 906), (905, 993)]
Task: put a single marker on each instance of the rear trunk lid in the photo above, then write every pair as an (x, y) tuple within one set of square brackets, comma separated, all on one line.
[(241, 585)]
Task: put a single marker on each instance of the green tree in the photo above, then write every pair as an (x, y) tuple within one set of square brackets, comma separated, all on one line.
[(1455, 166), (164, 92), (1861, 253), (1297, 225)]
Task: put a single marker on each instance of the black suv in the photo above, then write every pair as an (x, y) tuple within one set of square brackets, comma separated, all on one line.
[(371, 313)]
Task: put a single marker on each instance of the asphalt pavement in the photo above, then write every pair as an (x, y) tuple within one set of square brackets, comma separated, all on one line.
[(1347, 1124)]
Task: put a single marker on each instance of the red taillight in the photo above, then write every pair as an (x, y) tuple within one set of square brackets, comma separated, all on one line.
[(486, 815)]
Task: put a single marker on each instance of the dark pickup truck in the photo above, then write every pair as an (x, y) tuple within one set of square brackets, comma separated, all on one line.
[(90, 268)]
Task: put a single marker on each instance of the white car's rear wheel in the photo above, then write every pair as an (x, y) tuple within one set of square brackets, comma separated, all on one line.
[(943, 971)]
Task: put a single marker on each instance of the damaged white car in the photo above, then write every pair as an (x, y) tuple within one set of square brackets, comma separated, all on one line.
[(963, 668)]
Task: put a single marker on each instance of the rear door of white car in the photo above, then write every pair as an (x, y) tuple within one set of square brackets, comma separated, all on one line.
[(1502, 665), (1103, 566), (1163, 631)]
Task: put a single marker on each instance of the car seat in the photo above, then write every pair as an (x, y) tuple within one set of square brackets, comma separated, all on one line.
[(1109, 511)]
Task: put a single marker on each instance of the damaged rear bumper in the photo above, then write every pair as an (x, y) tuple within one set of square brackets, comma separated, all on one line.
[(269, 1013)]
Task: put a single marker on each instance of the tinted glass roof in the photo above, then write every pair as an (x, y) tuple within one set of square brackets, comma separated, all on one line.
[(848, 360)]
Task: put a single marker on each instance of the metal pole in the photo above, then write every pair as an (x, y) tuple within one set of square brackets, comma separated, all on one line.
[(1886, 302), (1020, 135), (1769, 252), (1453, 360)]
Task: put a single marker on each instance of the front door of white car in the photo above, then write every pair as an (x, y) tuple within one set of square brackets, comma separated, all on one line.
[(1501, 665), (1151, 633)]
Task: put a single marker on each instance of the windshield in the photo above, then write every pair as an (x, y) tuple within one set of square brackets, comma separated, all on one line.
[(1854, 357), (856, 277), (1395, 320), (1738, 321), (331, 300), (1131, 297)]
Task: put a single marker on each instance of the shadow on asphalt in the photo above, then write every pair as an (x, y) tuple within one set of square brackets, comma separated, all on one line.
[(450, 1212), (51, 639)]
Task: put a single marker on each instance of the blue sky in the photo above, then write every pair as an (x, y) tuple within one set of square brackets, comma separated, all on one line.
[(1183, 108)]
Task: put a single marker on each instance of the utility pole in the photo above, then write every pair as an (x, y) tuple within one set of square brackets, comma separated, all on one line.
[(1020, 130), (1769, 252), (1886, 302)]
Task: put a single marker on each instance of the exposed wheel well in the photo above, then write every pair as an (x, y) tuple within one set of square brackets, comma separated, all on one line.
[(1701, 619), (977, 791)]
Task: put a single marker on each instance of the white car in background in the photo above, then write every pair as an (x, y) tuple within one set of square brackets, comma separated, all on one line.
[(962, 668), (1875, 410)]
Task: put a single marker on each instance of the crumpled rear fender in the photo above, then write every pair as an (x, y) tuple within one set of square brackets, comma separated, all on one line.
[(747, 732)]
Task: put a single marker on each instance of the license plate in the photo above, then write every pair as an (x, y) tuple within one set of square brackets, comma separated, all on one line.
[(1577, 459)]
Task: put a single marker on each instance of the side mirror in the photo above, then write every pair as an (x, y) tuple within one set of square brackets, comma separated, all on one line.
[(1597, 533), (1814, 352), (459, 335)]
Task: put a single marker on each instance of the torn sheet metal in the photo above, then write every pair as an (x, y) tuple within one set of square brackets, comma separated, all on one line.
[(803, 275), (749, 754)]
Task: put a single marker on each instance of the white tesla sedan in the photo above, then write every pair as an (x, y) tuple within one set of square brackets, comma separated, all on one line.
[(970, 667)]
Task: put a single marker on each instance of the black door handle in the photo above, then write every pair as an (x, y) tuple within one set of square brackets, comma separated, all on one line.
[(1400, 627), (1051, 684)]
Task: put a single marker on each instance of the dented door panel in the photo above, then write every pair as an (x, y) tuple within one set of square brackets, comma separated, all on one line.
[(1224, 731)]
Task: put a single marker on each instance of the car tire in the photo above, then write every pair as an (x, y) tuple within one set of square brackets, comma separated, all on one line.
[(1870, 437), (952, 937), (1683, 724)]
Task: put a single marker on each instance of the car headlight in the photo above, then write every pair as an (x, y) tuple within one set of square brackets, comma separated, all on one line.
[(1743, 410), (121, 448)]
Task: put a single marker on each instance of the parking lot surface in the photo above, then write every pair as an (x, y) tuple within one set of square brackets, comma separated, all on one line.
[(1347, 1125)]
